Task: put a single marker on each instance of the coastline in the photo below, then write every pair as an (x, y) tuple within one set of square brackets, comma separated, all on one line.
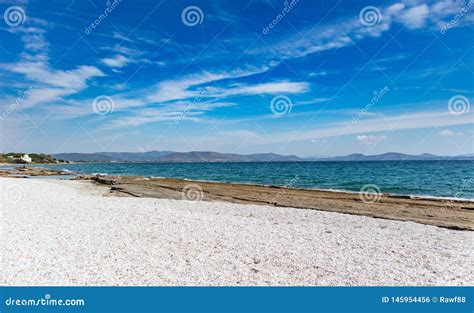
[(63, 232), (457, 214), (237, 182), (393, 195), (451, 214)]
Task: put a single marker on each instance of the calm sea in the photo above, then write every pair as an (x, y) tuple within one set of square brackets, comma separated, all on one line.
[(428, 178)]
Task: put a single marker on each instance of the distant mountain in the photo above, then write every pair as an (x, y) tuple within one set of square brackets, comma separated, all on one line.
[(393, 156), (169, 156), (210, 156), (112, 156), (83, 157), (149, 156)]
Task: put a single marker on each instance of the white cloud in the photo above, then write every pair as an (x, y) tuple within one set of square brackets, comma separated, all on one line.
[(369, 139), (117, 61), (415, 17), (124, 50), (46, 83), (41, 73), (376, 124), (120, 36), (446, 133), (345, 32), (194, 85), (395, 8), (178, 111), (446, 7), (169, 91), (44, 95), (266, 88), (312, 101)]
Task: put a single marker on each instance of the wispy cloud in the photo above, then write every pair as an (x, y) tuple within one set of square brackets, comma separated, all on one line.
[(47, 84), (415, 17), (179, 111), (370, 139), (154, 77), (117, 61), (348, 31), (449, 133), (191, 86), (419, 120)]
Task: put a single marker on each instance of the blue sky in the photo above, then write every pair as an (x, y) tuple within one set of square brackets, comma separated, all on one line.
[(290, 77)]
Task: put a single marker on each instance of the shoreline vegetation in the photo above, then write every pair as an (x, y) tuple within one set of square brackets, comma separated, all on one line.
[(446, 213), (15, 158)]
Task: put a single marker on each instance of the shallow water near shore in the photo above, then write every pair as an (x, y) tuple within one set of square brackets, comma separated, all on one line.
[(425, 178)]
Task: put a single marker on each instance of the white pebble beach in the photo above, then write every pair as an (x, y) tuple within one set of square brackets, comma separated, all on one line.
[(57, 232)]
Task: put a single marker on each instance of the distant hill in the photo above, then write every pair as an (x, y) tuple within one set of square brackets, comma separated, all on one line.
[(169, 156), (394, 156), (210, 156), (149, 156)]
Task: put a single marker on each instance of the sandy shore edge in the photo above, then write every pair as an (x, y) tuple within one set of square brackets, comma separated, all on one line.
[(67, 233), (447, 213)]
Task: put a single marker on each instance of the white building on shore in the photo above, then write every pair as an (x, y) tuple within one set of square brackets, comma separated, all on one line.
[(26, 158)]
